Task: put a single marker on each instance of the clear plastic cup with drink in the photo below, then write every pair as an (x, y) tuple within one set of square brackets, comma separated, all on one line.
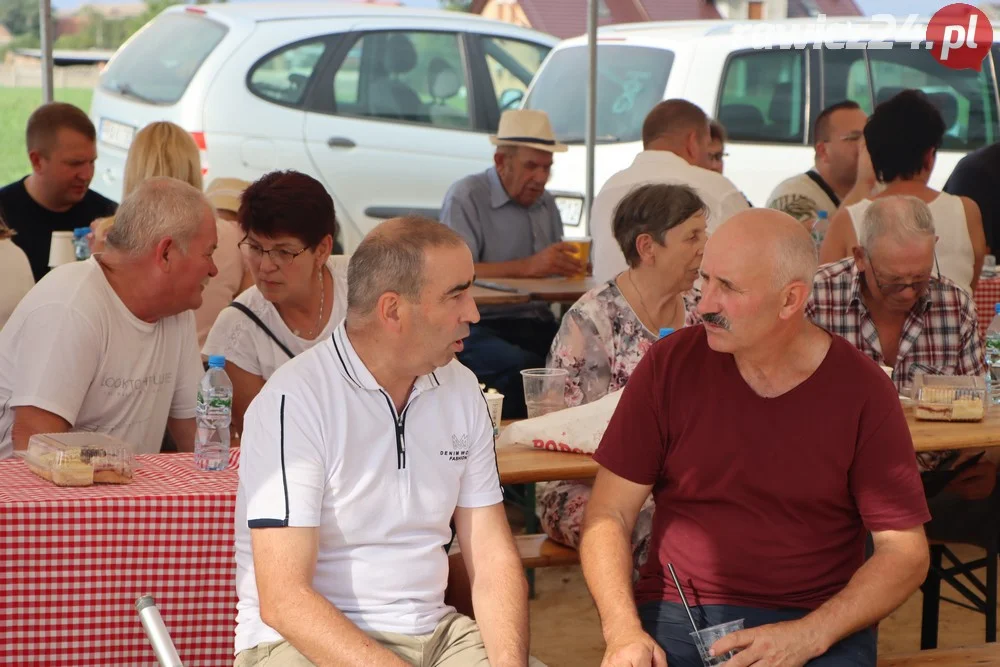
[(544, 390), (704, 639)]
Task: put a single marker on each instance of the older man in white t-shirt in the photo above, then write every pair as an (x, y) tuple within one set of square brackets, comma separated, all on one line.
[(356, 455), (109, 344), (675, 141)]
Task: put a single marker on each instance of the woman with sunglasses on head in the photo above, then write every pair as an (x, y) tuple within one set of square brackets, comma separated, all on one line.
[(299, 294), (903, 137)]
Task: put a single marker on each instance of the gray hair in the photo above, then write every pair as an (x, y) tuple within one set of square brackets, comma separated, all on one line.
[(157, 208), (901, 217), (391, 259), (795, 260), (652, 209)]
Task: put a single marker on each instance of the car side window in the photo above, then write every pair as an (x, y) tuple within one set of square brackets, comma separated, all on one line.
[(282, 76), (511, 63), (965, 98), (763, 97), (417, 77), (845, 77)]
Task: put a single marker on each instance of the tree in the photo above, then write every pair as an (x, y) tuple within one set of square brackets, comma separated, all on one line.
[(20, 17)]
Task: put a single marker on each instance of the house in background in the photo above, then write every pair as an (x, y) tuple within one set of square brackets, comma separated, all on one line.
[(568, 18), (5, 36)]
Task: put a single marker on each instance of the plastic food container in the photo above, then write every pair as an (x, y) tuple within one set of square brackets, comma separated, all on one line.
[(80, 459), (950, 398)]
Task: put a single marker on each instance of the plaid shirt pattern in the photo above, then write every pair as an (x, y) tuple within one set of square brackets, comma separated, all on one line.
[(940, 336)]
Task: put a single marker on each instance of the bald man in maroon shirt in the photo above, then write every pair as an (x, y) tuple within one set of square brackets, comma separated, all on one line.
[(772, 449)]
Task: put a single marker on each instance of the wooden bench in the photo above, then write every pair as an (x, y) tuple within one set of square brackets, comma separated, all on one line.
[(537, 551), (540, 551), (953, 657)]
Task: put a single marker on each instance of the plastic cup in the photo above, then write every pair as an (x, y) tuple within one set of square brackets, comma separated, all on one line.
[(494, 402), (61, 249), (544, 390), (581, 252), (704, 639)]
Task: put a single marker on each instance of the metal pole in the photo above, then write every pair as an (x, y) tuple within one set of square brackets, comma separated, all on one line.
[(46, 27), (591, 114)]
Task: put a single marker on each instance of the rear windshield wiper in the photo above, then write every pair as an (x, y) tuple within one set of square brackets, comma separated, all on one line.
[(128, 91)]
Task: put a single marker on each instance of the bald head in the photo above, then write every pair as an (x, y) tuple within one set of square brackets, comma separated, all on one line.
[(772, 240), (391, 259)]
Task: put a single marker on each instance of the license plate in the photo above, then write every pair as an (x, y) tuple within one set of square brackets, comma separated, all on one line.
[(116, 134)]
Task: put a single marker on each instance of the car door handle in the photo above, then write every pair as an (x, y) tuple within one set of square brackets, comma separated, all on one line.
[(340, 142)]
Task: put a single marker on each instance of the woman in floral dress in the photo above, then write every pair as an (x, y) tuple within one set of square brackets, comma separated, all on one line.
[(661, 231)]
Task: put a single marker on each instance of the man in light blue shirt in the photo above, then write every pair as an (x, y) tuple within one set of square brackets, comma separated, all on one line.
[(512, 226)]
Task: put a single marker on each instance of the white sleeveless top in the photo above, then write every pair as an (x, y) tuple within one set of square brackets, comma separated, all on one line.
[(954, 247)]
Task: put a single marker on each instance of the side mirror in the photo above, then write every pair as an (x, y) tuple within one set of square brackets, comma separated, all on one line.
[(510, 99)]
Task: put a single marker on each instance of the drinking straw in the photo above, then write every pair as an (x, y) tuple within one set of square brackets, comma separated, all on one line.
[(680, 591)]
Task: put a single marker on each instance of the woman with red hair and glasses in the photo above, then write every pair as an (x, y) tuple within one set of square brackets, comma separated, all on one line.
[(299, 294)]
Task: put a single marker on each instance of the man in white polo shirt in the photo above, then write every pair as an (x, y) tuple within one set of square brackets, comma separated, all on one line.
[(355, 457), (675, 142)]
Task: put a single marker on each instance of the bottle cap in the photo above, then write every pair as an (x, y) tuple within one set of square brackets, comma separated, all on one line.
[(665, 331), (996, 309), (216, 361), (81, 232), (821, 215)]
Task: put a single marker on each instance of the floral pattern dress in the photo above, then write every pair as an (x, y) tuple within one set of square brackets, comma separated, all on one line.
[(600, 342)]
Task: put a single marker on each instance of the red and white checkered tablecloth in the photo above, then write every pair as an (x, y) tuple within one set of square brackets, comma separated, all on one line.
[(986, 296), (73, 562)]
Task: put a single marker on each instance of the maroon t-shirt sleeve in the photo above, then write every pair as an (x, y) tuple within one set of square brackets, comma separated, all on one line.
[(884, 478), (633, 445)]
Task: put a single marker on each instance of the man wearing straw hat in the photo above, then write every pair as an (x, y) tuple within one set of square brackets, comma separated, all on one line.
[(772, 449), (513, 228)]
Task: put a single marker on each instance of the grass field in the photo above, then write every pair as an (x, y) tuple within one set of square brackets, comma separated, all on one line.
[(16, 104)]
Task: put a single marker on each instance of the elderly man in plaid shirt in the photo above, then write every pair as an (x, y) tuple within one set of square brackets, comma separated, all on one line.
[(889, 301)]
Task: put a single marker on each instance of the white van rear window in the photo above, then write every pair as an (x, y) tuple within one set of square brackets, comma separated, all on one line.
[(630, 81), (157, 65)]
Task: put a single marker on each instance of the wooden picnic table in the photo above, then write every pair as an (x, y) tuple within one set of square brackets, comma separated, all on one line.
[(931, 436), (523, 465), (955, 657), (484, 296), (551, 290)]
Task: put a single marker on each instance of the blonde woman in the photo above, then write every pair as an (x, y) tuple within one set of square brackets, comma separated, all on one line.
[(165, 149), (15, 273)]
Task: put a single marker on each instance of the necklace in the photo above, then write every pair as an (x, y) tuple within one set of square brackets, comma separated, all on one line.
[(319, 320), (642, 302)]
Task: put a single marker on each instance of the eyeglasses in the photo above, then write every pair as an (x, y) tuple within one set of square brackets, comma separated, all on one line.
[(279, 256), (717, 157), (891, 289)]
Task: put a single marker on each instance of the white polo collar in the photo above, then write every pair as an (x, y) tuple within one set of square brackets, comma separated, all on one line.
[(357, 374)]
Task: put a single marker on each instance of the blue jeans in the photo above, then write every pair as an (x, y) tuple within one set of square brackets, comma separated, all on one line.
[(667, 623), (497, 350)]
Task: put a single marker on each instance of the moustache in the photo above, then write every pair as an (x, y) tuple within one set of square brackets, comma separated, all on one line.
[(716, 319)]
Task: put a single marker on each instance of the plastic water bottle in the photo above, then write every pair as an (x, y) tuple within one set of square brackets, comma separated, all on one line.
[(80, 246), (665, 331), (993, 356), (214, 414), (820, 226)]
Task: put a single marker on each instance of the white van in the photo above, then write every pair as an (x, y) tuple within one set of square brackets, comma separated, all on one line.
[(767, 99), (386, 106)]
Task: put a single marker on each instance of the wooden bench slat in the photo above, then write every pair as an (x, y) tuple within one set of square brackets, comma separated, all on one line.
[(540, 551), (953, 657)]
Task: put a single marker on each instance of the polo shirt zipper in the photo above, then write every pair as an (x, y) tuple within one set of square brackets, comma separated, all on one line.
[(400, 423)]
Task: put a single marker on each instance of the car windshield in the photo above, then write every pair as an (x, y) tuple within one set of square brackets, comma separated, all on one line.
[(630, 81), (157, 65)]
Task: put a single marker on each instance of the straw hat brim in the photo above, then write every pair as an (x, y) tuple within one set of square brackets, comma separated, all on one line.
[(554, 147)]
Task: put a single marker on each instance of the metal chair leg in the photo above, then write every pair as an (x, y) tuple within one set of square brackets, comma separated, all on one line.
[(932, 601)]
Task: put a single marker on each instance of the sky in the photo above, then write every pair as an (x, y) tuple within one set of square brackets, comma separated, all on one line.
[(898, 7)]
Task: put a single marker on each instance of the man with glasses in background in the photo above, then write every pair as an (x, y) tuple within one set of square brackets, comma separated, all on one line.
[(890, 301), (841, 173)]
